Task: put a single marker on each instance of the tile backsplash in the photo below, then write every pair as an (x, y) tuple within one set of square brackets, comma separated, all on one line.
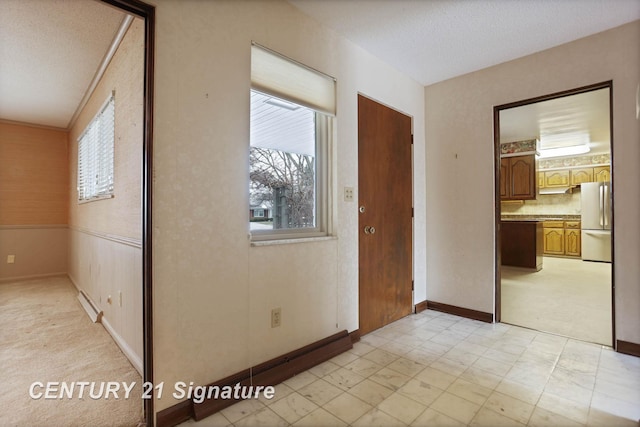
[(546, 204)]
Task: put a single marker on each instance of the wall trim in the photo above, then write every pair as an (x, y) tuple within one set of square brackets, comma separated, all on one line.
[(460, 311), (271, 372), (626, 347), (32, 226), (32, 277), (134, 359), (136, 243), (355, 336), (420, 307)]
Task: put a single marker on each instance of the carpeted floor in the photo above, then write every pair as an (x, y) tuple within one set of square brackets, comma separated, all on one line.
[(45, 336)]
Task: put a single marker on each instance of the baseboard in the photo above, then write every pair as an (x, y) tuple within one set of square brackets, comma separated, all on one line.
[(460, 311), (135, 360), (175, 414), (271, 372), (419, 307), (355, 336), (626, 347), (31, 277)]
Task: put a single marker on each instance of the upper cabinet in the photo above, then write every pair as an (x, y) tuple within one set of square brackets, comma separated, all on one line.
[(518, 177)]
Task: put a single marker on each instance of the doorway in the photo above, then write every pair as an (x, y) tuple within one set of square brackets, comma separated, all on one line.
[(569, 293), (385, 215)]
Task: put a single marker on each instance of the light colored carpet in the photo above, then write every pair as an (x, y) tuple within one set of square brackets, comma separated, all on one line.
[(568, 297), (46, 336)]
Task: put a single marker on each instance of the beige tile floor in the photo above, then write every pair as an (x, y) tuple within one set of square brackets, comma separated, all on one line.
[(567, 297), (435, 369)]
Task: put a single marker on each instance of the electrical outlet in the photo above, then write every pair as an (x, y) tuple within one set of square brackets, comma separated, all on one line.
[(276, 317), (348, 194), (11, 259)]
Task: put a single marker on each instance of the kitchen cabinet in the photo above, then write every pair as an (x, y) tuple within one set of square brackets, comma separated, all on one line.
[(556, 178), (578, 176), (521, 244), (601, 174), (562, 238), (518, 178)]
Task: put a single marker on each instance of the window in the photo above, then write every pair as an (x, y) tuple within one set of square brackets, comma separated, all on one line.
[(291, 118), (95, 155)]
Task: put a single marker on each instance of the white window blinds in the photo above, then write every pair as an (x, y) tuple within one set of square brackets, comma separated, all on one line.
[(95, 155), (276, 75)]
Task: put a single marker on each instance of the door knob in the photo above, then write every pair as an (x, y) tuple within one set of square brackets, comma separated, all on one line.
[(369, 230)]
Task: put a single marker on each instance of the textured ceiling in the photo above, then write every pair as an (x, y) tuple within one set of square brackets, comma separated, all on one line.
[(434, 40), (50, 51)]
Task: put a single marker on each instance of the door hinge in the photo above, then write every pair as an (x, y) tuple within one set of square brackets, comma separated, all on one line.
[(411, 139), (412, 213), (412, 285)]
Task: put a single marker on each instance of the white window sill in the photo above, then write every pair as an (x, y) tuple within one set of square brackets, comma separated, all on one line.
[(258, 243)]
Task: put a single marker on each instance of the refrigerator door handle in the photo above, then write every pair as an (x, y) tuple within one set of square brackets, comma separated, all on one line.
[(600, 205), (606, 205)]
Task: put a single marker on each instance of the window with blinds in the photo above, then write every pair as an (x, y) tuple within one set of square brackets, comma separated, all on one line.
[(95, 155)]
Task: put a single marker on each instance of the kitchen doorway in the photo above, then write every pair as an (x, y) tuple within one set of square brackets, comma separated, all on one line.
[(554, 259)]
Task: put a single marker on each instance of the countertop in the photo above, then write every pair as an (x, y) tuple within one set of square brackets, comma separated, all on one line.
[(552, 217)]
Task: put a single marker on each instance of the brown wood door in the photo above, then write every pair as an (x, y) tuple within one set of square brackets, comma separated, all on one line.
[(385, 225)]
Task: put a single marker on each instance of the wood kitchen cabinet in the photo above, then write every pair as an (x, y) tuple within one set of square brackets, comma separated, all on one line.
[(562, 238), (518, 178), (554, 241), (557, 178), (521, 244), (601, 174), (578, 176)]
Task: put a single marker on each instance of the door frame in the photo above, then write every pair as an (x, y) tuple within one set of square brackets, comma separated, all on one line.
[(497, 214), (147, 13), (412, 234)]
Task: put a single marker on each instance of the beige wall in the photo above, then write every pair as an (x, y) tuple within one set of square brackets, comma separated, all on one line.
[(121, 215), (34, 176), (213, 292), (105, 236), (460, 189)]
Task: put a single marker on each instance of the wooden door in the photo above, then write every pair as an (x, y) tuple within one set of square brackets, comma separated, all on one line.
[(385, 215)]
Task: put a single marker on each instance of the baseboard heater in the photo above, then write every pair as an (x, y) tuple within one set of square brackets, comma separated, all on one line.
[(92, 310), (278, 370)]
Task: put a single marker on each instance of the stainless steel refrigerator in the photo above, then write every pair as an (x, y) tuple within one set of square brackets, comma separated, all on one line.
[(596, 218)]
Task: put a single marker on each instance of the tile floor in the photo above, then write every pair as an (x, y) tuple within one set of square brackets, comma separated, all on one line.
[(435, 369)]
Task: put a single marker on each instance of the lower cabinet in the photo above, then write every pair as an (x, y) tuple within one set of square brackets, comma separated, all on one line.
[(562, 238)]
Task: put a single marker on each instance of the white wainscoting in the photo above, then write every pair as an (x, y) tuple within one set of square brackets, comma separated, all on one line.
[(109, 269)]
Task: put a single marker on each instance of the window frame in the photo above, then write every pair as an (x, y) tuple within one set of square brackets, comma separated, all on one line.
[(90, 160), (323, 138)]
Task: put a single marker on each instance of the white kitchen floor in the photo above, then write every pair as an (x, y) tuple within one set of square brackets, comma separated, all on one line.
[(435, 369), (568, 297)]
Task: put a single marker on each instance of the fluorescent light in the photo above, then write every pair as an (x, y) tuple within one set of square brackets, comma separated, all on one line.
[(571, 150), (282, 104)]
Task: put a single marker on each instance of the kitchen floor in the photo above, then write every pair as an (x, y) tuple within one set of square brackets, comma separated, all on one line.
[(435, 369), (569, 297)]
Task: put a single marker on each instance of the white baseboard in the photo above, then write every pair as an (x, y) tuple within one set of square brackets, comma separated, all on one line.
[(32, 277), (135, 360)]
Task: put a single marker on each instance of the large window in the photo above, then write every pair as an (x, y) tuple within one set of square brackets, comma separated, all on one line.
[(95, 155), (291, 113)]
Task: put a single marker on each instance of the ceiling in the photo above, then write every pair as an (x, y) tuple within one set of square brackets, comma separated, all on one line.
[(564, 118), (50, 50), (435, 40)]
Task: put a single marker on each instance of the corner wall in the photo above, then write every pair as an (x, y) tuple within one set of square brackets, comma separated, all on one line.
[(460, 165), (34, 175), (213, 292), (105, 236)]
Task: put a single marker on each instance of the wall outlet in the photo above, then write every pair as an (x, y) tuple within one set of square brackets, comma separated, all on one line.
[(11, 259), (348, 194), (276, 317)]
